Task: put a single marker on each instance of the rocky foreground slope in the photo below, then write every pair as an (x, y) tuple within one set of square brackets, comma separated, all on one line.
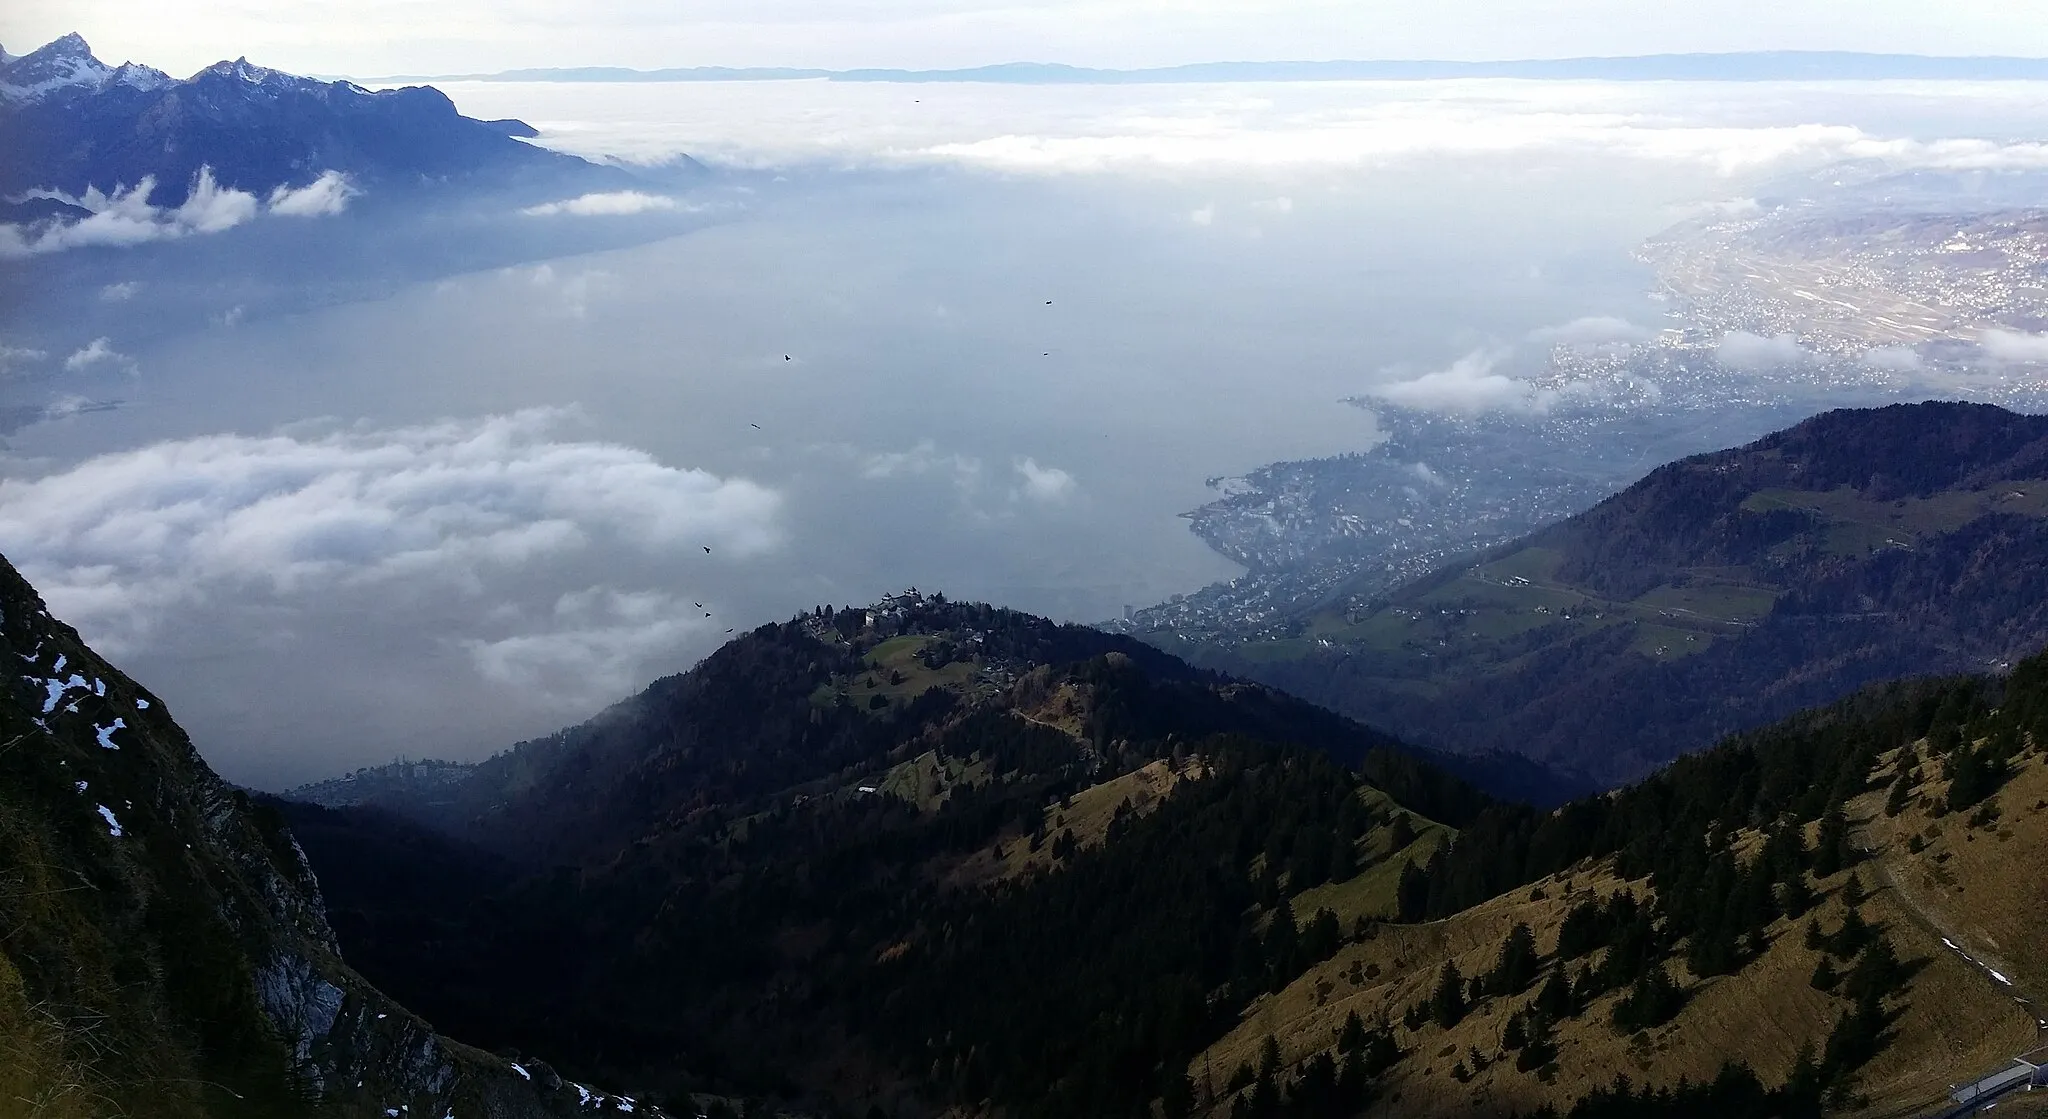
[(164, 949)]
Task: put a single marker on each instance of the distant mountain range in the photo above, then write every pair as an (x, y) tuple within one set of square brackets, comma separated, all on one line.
[(71, 123), (1717, 594), (1753, 66)]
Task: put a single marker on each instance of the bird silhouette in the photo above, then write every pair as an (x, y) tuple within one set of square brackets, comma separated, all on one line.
[(698, 605), (707, 549), (707, 613), (1048, 302), (785, 357), (728, 631), (756, 427)]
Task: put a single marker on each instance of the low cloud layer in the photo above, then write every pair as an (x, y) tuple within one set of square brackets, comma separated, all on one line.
[(1754, 353), (1893, 359), (617, 203), (13, 358), (1470, 384), (2014, 346), (1593, 330), (592, 645), (99, 352), (1043, 484), (1344, 126), (117, 541), (126, 217)]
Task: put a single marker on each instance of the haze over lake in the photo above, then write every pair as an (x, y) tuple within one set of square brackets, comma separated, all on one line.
[(396, 473)]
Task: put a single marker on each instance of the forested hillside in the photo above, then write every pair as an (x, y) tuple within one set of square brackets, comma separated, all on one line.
[(975, 880), (1717, 594)]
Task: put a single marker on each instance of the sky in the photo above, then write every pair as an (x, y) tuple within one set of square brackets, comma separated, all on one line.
[(376, 37)]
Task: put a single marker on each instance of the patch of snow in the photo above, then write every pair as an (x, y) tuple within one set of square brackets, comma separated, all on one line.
[(113, 825), (521, 1071), (99, 687), (142, 705), (59, 666), (107, 734), (63, 73), (81, 786), (148, 79), (54, 690)]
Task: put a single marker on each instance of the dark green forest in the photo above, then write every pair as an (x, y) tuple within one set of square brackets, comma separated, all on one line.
[(761, 926)]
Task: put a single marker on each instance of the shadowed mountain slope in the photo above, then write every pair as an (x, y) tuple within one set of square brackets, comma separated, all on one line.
[(1716, 594), (164, 950)]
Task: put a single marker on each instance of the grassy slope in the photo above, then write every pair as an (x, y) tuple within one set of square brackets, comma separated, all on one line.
[(1956, 1021)]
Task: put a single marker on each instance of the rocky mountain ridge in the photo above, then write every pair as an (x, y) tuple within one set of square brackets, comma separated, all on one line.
[(73, 124), (164, 945)]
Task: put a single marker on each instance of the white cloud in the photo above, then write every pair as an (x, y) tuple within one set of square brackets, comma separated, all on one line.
[(100, 351), (119, 293), (1043, 484), (1754, 353), (1895, 359), (1593, 330), (120, 539), (574, 289), (606, 204), (1735, 208), (592, 647), (2013, 346), (323, 197), (1470, 384), (1205, 215), (1280, 205), (1222, 129), (924, 458), (14, 357), (212, 208), (126, 217)]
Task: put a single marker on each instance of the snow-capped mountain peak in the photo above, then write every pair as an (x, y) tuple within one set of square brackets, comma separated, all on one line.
[(241, 69), (65, 65)]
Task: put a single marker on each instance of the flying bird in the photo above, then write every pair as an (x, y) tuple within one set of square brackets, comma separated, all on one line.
[(707, 613), (728, 631), (1048, 302), (707, 549), (785, 357), (698, 605), (756, 427)]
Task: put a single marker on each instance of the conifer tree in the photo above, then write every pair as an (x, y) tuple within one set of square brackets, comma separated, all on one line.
[(1447, 1005)]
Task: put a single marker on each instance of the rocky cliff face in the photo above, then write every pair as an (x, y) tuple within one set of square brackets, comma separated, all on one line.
[(163, 945)]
